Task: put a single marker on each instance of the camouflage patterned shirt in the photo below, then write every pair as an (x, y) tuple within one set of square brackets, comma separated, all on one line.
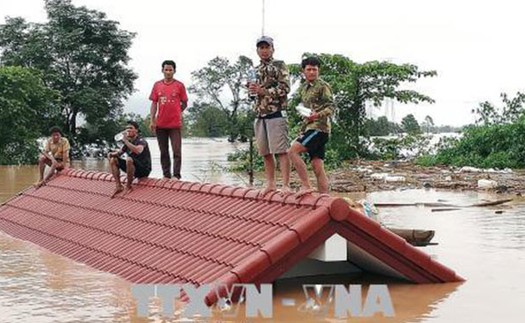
[(318, 97), (274, 78)]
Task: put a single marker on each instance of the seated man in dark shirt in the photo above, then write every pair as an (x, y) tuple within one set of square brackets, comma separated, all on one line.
[(138, 160)]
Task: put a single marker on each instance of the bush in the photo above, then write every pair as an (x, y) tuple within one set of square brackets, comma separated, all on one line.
[(23, 152), (402, 146), (27, 110), (241, 161), (486, 146)]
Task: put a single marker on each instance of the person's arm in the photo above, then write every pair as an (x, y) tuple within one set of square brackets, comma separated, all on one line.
[(136, 149), (47, 152), (183, 99), (65, 160), (153, 117), (116, 153), (65, 153), (153, 109), (328, 106)]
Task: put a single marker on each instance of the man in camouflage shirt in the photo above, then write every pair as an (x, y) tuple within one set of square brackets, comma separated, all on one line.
[(271, 128), (316, 95)]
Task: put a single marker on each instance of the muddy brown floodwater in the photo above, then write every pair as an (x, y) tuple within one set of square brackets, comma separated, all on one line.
[(485, 245)]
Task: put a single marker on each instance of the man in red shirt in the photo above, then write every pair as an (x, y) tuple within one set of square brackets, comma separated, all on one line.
[(168, 101)]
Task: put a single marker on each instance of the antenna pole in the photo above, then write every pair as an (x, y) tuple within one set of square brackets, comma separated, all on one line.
[(263, 13)]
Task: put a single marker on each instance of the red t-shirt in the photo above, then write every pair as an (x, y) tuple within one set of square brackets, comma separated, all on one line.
[(168, 97)]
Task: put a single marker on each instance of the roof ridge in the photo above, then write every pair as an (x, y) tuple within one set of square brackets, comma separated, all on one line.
[(222, 214), (209, 188)]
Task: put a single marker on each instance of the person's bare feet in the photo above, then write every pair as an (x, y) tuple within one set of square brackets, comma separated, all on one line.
[(128, 190), (304, 191), (117, 190), (39, 184), (285, 190), (268, 189)]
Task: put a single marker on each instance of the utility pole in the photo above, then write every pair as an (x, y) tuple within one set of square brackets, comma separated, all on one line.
[(263, 17)]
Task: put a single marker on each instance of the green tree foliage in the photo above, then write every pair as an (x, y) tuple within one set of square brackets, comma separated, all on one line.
[(441, 129), (144, 123), (428, 124), (207, 121), (498, 140), (105, 130), (400, 146), (222, 84), (380, 127), (410, 125), (82, 55), (28, 109), (355, 84), (511, 111)]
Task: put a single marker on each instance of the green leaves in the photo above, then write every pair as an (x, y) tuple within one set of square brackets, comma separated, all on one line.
[(207, 121), (410, 125), (486, 146), (356, 84), (381, 127), (221, 85), (81, 54), (27, 109), (496, 140), (510, 112)]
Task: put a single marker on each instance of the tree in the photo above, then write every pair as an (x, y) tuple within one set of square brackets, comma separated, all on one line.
[(380, 127), (428, 124), (82, 55), (107, 128), (222, 85), (496, 140), (27, 110), (512, 110), (410, 125), (207, 121), (354, 84)]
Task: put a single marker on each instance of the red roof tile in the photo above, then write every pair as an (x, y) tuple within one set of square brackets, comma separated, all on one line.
[(176, 232)]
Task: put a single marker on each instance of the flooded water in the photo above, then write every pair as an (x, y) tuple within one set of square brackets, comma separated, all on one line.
[(204, 160), (484, 247)]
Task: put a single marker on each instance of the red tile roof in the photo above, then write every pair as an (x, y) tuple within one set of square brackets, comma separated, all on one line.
[(179, 232)]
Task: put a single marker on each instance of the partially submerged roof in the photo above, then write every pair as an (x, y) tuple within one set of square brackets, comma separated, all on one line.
[(181, 232)]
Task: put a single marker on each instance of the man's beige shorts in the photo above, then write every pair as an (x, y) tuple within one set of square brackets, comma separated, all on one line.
[(271, 136)]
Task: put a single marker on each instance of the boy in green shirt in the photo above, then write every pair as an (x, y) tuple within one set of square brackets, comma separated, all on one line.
[(316, 95)]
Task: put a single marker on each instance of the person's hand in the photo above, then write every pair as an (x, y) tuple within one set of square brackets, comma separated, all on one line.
[(113, 154), (153, 126), (312, 117), (255, 88)]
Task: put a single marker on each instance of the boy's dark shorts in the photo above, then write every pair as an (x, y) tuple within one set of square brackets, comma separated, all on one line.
[(140, 169), (315, 142)]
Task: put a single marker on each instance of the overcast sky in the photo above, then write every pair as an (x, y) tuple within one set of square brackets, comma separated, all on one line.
[(476, 47)]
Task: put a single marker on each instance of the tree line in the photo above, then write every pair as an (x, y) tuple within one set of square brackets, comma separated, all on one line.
[(69, 70), (73, 71)]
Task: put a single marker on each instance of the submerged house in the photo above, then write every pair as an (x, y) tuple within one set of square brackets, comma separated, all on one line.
[(181, 232)]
